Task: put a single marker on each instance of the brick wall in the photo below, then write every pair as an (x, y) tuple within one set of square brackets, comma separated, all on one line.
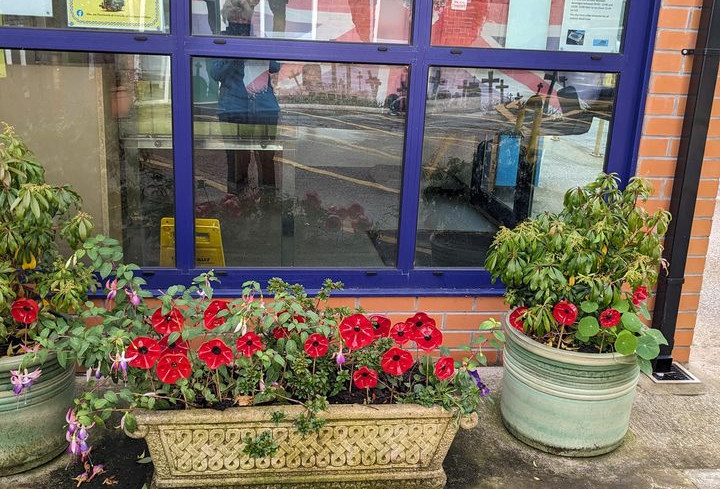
[(677, 29)]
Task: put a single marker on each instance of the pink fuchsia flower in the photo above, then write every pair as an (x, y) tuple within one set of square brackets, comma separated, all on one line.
[(120, 363), (340, 357), (133, 297), (76, 434), (112, 290), (22, 381)]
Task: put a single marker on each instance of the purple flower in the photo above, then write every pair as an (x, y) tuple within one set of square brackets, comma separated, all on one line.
[(112, 287), (484, 391), (120, 363), (134, 297), (76, 434), (340, 358), (22, 381)]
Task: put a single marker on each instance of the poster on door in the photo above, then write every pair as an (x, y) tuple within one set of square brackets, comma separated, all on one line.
[(132, 15), (592, 25), (35, 8)]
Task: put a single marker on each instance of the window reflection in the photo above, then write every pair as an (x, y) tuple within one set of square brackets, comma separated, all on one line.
[(378, 21), (500, 146), (298, 163)]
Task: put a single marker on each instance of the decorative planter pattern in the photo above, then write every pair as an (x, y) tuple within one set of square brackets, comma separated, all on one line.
[(360, 447), (32, 426), (567, 403)]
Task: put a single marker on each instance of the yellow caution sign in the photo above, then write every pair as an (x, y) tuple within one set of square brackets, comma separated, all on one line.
[(208, 243)]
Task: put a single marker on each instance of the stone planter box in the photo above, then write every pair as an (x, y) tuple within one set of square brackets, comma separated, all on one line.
[(563, 402), (32, 426), (360, 447)]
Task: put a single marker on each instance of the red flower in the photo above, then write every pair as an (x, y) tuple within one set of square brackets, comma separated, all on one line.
[(565, 312), (210, 317), (249, 343), (280, 332), (316, 345), (179, 347), (381, 325), (215, 353), (146, 352), (516, 318), (166, 324), (356, 331), (396, 361), (418, 321), (609, 318), (365, 378), (444, 368), (24, 311), (170, 368), (428, 338), (639, 295), (401, 333)]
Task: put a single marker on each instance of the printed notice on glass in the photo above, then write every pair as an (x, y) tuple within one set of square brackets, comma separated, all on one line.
[(31, 8), (459, 4), (132, 15), (592, 25)]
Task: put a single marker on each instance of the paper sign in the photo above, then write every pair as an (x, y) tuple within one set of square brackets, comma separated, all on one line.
[(459, 4), (592, 25), (527, 25), (32, 8), (136, 15)]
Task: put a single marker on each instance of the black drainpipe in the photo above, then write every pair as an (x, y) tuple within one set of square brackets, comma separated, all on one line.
[(687, 175)]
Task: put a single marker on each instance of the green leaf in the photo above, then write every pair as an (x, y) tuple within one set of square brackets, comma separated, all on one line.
[(645, 366), (62, 358), (174, 336), (647, 347), (644, 311), (626, 343), (499, 335), (588, 326), (589, 307), (111, 396), (144, 460), (105, 269), (657, 334), (631, 322), (130, 423), (621, 306)]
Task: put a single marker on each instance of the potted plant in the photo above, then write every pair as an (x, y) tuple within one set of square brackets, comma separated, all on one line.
[(40, 290), (577, 283), (281, 392)]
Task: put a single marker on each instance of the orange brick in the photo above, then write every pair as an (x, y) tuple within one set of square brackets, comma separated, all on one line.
[(667, 63), (689, 302), (491, 304), (493, 357), (681, 354), (676, 84), (653, 205), (674, 18), (686, 320), (693, 283), (467, 322), (675, 40), (698, 246), (455, 340), (445, 303), (350, 302), (695, 265), (656, 167), (660, 105), (387, 304), (663, 126), (683, 337), (708, 188), (701, 227), (650, 147), (400, 317), (705, 207), (673, 147), (710, 169), (712, 146)]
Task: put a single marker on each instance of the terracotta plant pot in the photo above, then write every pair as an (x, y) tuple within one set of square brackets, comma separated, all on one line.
[(364, 447), (566, 403), (32, 425)]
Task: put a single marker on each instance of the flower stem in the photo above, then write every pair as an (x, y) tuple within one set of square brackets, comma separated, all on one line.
[(217, 385), (562, 331)]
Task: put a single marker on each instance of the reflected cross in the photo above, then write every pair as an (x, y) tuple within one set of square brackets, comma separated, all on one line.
[(490, 80), (502, 88)]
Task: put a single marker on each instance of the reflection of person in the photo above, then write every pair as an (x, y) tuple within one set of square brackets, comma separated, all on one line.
[(247, 98)]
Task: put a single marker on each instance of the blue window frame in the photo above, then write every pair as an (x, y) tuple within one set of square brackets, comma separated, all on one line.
[(632, 67)]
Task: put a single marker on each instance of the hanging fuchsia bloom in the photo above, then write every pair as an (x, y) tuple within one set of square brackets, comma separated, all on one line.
[(76, 434), (22, 381), (120, 363), (112, 290), (133, 297), (340, 357)]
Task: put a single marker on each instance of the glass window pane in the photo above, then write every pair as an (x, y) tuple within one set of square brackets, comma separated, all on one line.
[(298, 163), (127, 15), (381, 21), (554, 25), (101, 123), (500, 146)]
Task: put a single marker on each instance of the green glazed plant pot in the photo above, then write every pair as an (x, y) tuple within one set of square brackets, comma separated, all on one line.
[(566, 403), (32, 425)]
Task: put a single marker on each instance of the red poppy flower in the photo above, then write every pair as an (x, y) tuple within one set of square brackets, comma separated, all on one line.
[(418, 321), (316, 345), (178, 348), (170, 368), (356, 331), (167, 323), (249, 343), (609, 318), (215, 353), (565, 312), (401, 333), (428, 338), (24, 311), (146, 352), (381, 325), (396, 361), (639, 295), (211, 318), (516, 318), (444, 368), (280, 332), (365, 378)]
